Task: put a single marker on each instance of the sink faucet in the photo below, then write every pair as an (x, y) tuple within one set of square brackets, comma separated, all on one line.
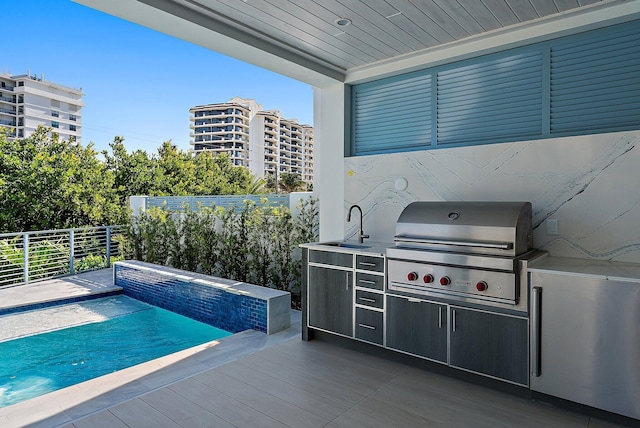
[(361, 234)]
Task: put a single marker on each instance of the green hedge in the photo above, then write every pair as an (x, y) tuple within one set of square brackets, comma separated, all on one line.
[(255, 244)]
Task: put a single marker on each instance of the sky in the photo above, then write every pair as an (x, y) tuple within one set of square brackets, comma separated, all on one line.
[(137, 83)]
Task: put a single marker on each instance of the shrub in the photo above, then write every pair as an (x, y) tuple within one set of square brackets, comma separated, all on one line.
[(257, 244)]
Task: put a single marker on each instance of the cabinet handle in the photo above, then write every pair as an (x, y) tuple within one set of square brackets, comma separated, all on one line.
[(366, 299), (370, 327), (453, 320), (346, 280), (366, 281), (536, 293), (367, 264), (440, 317), (413, 300)]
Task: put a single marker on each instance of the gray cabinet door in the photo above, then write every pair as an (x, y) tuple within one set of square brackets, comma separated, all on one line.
[(369, 325), (495, 345), (331, 299), (417, 327)]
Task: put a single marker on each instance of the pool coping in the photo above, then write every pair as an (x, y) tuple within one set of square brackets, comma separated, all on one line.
[(78, 401)]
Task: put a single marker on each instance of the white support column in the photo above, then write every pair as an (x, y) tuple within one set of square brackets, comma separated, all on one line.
[(328, 183), (137, 204)]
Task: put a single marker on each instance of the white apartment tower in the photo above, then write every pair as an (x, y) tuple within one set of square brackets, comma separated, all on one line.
[(28, 101), (260, 140), (224, 128)]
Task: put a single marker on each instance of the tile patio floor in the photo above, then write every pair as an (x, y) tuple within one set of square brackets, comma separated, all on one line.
[(316, 384), (254, 380)]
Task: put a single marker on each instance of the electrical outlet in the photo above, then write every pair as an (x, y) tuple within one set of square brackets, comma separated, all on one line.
[(552, 227)]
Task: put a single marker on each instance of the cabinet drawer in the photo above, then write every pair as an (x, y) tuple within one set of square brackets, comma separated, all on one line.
[(369, 325), (375, 300), (331, 258), (367, 280), (372, 263)]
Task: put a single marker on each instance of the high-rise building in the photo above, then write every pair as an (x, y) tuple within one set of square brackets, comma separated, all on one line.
[(261, 140), (28, 101)]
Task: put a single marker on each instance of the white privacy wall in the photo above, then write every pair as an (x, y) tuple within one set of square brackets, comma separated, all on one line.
[(589, 184)]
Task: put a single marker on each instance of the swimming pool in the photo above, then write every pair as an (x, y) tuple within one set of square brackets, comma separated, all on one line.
[(39, 353)]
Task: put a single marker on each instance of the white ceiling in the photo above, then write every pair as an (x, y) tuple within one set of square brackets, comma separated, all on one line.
[(305, 32), (379, 29)]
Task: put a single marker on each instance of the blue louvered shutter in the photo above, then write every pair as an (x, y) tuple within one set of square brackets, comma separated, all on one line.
[(392, 115), (491, 100), (595, 83)]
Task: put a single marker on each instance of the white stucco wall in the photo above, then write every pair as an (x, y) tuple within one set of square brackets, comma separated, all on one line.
[(328, 183)]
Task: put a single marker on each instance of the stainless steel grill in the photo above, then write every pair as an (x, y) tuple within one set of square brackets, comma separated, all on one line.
[(470, 252)]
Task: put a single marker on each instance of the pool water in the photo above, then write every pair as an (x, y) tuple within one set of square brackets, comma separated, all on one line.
[(118, 332)]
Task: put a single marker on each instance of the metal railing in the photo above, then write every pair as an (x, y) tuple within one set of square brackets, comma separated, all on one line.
[(44, 254)]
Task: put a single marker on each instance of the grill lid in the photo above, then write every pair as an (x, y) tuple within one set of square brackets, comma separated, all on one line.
[(503, 228)]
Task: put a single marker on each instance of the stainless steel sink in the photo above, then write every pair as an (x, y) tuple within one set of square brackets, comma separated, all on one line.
[(344, 244)]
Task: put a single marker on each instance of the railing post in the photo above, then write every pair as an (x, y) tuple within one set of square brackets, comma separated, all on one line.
[(25, 255), (108, 253), (71, 252)]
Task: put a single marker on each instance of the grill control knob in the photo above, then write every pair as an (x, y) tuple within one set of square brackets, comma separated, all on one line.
[(445, 280), (412, 276), (481, 286), (428, 278)]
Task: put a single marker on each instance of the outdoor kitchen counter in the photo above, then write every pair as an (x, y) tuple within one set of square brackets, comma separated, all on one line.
[(372, 248), (588, 268)]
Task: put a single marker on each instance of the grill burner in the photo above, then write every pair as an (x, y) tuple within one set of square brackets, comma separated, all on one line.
[(471, 252)]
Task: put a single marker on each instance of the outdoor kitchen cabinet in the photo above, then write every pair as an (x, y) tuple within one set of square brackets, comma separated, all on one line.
[(489, 343), (330, 291), (369, 299), (417, 327), (585, 345)]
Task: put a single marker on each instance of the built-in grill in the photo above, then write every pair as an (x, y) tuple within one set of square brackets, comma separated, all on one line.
[(471, 252)]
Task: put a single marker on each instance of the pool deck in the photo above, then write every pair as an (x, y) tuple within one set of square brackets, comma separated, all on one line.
[(254, 380), (64, 288)]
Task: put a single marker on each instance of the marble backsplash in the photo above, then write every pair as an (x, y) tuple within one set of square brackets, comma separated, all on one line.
[(589, 184)]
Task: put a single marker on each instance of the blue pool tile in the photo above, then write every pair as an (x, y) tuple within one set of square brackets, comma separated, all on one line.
[(206, 302)]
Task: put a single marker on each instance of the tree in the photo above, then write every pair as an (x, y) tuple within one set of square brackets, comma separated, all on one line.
[(271, 183), (176, 172), (216, 175), (290, 182), (134, 174), (46, 183)]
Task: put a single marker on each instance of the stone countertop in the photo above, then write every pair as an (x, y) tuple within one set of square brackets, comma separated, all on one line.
[(371, 248), (599, 269)]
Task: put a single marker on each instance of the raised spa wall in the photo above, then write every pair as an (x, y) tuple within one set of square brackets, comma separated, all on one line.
[(230, 305)]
